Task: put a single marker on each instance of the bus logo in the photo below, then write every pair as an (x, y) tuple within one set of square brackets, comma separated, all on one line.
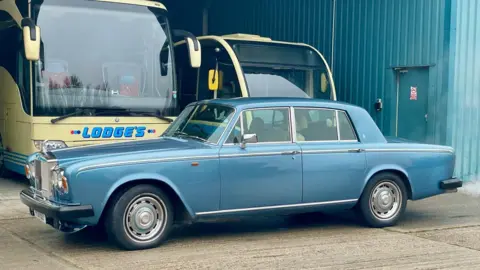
[(109, 132)]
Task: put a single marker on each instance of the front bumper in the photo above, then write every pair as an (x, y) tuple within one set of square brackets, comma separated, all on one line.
[(55, 211), (451, 184)]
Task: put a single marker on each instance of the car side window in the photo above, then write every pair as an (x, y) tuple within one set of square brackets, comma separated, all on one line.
[(235, 134), (346, 129), (314, 115), (315, 125), (270, 125), (265, 115)]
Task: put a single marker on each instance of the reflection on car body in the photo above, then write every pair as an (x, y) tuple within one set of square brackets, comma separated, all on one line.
[(237, 157)]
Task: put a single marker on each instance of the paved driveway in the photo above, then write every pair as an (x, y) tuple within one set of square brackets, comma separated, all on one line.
[(436, 233)]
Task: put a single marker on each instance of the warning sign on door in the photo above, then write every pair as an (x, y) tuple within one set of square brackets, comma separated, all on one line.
[(413, 93)]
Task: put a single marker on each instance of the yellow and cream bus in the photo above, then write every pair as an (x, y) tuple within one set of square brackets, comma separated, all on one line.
[(80, 72), (245, 65)]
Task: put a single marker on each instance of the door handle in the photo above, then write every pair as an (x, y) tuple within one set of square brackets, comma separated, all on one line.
[(295, 152), (356, 150)]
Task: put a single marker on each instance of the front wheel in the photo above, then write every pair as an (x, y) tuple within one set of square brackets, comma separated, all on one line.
[(383, 201), (140, 218)]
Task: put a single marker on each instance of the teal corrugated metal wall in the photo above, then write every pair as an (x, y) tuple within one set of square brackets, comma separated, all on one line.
[(187, 15), (308, 21), (372, 36), (464, 114)]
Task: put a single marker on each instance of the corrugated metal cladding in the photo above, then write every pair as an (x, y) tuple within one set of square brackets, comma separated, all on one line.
[(185, 15), (308, 21), (464, 113), (372, 37)]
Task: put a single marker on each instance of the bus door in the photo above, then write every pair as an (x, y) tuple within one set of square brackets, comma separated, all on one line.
[(217, 69)]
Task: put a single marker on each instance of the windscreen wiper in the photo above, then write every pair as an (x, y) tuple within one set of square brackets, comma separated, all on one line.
[(161, 117), (93, 113), (75, 113), (121, 110), (190, 136)]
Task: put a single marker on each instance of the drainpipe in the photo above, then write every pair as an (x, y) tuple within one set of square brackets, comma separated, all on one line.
[(205, 21), (206, 7), (334, 16)]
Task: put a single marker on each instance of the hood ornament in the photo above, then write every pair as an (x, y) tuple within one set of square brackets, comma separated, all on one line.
[(44, 147)]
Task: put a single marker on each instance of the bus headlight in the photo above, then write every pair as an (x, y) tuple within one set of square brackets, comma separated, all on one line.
[(49, 145)]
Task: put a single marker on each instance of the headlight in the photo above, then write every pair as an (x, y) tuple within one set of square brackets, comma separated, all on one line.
[(49, 145), (59, 181)]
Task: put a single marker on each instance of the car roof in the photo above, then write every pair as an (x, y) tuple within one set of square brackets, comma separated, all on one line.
[(252, 102)]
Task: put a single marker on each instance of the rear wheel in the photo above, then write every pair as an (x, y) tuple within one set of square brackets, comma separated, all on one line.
[(383, 201), (140, 218)]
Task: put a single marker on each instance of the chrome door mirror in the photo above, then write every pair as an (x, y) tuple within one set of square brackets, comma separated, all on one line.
[(248, 138)]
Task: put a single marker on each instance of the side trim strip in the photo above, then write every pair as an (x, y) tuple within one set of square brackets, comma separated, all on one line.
[(378, 150), (256, 154), (274, 207), (252, 154), (329, 151), (409, 150), (132, 162)]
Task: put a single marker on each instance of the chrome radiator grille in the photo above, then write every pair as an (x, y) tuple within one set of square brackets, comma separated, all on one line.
[(43, 173)]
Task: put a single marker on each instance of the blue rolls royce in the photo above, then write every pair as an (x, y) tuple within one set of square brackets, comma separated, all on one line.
[(234, 157)]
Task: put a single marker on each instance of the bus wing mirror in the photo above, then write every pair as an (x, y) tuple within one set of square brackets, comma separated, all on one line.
[(193, 46), (323, 83), (215, 79), (31, 39)]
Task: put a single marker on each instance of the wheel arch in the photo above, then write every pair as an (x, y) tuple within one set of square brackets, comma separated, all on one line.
[(182, 210), (392, 170)]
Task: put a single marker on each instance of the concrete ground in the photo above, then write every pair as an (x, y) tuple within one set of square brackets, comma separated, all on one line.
[(437, 233)]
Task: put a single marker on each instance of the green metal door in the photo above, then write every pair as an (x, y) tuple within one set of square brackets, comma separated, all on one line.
[(412, 104)]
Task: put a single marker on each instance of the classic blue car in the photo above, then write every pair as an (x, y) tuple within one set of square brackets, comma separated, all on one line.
[(237, 157)]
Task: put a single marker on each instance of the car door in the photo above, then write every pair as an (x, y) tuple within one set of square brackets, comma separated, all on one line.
[(265, 173), (334, 161)]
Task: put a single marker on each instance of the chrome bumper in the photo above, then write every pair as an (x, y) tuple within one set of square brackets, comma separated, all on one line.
[(54, 211), (451, 184)]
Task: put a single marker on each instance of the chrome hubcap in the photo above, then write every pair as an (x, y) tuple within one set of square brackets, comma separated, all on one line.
[(145, 218), (385, 200)]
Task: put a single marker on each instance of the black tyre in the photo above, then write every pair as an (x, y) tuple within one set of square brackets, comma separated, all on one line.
[(139, 218), (383, 200)]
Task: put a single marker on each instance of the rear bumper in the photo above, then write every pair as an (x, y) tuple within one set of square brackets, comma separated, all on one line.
[(451, 184), (54, 211)]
